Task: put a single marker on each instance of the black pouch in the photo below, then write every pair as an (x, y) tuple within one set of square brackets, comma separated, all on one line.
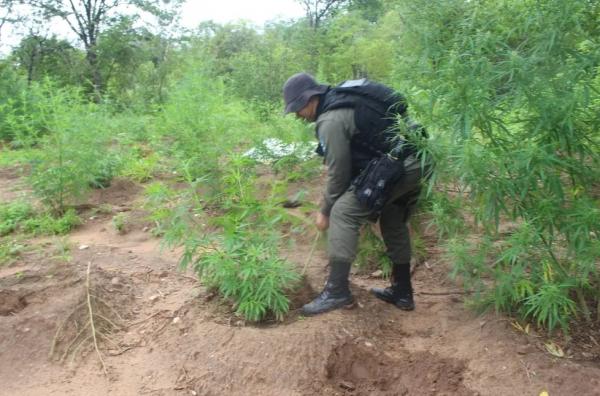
[(374, 184)]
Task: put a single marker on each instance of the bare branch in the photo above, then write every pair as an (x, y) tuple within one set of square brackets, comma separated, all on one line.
[(318, 10)]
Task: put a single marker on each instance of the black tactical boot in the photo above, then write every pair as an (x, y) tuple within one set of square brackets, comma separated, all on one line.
[(336, 293), (400, 293)]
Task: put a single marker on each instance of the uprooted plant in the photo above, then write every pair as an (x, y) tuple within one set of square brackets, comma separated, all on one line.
[(91, 322)]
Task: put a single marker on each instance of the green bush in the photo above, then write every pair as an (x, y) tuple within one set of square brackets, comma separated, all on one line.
[(140, 169), (119, 221), (49, 224), (22, 217), (200, 122), (202, 132), (75, 154), (24, 112), (372, 253), (12, 87), (240, 260), (9, 250), (510, 91), (245, 267), (12, 215)]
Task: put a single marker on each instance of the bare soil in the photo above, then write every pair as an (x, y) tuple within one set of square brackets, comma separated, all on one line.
[(165, 334)]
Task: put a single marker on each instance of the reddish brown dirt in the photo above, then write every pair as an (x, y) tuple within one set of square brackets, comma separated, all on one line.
[(174, 339), (11, 302), (359, 369)]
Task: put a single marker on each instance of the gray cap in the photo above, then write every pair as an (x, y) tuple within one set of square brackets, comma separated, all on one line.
[(298, 90)]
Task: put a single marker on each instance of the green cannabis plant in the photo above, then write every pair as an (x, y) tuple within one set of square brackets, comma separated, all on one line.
[(511, 93), (22, 217), (231, 238), (75, 154)]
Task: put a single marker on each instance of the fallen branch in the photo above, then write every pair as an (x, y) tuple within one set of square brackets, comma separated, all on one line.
[(110, 322), (107, 338), (187, 277), (161, 328)]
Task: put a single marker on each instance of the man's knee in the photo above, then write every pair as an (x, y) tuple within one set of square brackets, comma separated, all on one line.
[(347, 211)]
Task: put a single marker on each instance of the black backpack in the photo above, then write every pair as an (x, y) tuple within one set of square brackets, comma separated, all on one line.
[(377, 106)]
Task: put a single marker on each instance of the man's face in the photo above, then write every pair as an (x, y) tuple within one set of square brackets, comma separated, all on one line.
[(309, 112)]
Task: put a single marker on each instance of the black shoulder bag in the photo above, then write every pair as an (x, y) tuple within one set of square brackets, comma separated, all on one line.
[(374, 184)]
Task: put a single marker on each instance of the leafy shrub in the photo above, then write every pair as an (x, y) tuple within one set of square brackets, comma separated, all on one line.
[(12, 103), (140, 169), (510, 91), (12, 215), (200, 122), (21, 216), (241, 260), (9, 250), (105, 169), (28, 114), (160, 202), (75, 154), (119, 221), (48, 224), (246, 268)]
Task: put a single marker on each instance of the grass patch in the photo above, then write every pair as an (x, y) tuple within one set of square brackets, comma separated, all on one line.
[(21, 216), (10, 249)]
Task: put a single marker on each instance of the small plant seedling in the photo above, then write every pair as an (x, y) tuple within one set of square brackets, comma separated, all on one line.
[(102, 209), (119, 221), (62, 249), (10, 250)]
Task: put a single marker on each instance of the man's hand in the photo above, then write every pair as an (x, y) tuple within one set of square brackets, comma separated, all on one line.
[(322, 221)]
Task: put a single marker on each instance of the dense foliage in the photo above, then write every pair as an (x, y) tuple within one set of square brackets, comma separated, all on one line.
[(509, 91), (513, 89)]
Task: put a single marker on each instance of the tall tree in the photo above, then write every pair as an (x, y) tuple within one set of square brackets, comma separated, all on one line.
[(318, 10), (88, 18), (39, 56), (134, 62)]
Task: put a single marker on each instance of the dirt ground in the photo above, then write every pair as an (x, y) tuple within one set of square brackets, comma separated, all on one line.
[(164, 334)]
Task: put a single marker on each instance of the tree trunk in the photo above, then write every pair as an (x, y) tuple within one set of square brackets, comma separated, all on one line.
[(92, 59), (30, 66)]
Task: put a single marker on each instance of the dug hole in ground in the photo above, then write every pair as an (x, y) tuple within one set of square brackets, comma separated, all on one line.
[(160, 332)]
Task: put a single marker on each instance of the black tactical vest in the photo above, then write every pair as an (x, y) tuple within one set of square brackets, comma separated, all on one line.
[(376, 108)]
